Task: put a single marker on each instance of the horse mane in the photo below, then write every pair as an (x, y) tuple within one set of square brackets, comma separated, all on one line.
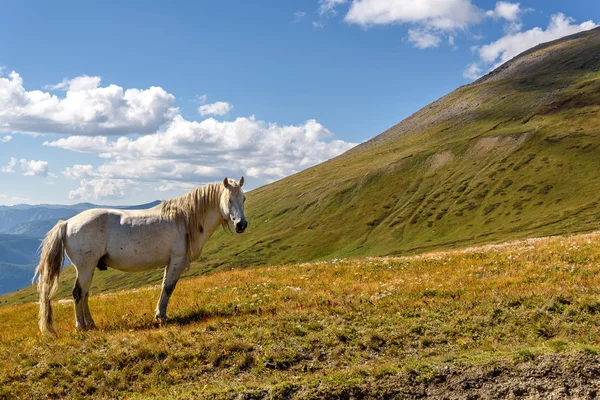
[(192, 208)]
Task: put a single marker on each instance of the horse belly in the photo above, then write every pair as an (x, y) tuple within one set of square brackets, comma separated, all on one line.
[(141, 248)]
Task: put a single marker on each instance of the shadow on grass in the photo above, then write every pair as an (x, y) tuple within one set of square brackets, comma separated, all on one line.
[(181, 318)]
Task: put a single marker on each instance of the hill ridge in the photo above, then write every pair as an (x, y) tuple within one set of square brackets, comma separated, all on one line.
[(392, 132)]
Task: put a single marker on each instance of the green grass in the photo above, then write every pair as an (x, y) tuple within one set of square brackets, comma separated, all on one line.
[(321, 328)]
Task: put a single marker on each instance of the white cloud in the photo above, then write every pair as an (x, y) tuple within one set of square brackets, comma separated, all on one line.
[(175, 186), (432, 20), (508, 11), (196, 152), (59, 86), (496, 53), (79, 171), (327, 7), (102, 189), (218, 108), (423, 39), (33, 167), (511, 12), (433, 14), (86, 108), (6, 139), (86, 144), (202, 98), (473, 71), (10, 168)]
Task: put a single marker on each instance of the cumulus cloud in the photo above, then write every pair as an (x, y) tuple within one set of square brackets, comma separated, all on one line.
[(10, 168), (218, 108), (6, 139), (423, 39), (432, 20), (86, 108), (511, 12), (433, 14), (508, 11), (34, 168), (29, 168), (102, 189), (498, 52), (196, 152), (79, 171)]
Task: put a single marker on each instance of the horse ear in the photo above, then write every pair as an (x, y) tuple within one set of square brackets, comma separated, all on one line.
[(241, 181), (226, 183)]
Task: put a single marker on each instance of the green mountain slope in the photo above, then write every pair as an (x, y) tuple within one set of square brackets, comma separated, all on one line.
[(515, 154)]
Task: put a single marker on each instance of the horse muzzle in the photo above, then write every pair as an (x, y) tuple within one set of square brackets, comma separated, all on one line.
[(241, 226)]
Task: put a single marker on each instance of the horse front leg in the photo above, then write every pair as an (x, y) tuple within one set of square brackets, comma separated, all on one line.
[(172, 273)]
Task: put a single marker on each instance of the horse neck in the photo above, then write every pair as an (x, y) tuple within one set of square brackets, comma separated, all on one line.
[(212, 221)]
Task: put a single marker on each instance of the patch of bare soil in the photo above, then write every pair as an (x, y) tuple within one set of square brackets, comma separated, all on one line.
[(498, 144), (575, 376), (439, 160)]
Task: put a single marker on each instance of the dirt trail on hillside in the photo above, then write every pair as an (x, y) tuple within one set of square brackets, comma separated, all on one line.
[(574, 376), (549, 377)]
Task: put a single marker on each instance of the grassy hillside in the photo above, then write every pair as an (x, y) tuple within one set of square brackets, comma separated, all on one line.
[(520, 319), (513, 155)]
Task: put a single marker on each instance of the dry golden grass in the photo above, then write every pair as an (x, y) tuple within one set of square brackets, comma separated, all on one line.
[(280, 330)]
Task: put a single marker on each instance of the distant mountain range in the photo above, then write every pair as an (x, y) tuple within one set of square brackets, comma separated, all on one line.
[(22, 227)]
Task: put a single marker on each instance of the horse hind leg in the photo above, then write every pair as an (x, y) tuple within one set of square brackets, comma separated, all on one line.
[(89, 321), (81, 293)]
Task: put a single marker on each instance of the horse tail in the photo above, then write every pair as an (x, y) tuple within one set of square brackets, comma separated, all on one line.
[(51, 260)]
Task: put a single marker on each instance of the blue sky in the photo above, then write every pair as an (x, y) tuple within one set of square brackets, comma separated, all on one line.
[(127, 102)]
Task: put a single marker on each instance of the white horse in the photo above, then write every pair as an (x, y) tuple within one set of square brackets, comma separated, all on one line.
[(171, 234)]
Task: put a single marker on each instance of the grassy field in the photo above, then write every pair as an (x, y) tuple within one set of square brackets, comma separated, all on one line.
[(372, 327)]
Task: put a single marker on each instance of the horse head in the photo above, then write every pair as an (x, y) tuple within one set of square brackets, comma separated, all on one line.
[(232, 204)]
